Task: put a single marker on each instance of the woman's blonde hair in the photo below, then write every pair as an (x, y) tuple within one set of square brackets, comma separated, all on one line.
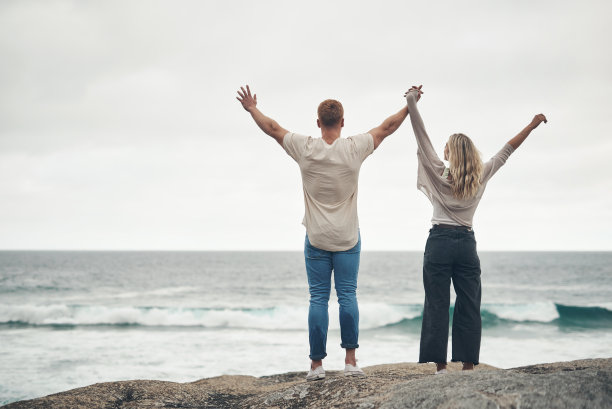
[(465, 166)]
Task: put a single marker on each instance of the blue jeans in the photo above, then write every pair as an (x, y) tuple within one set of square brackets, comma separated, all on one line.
[(319, 266)]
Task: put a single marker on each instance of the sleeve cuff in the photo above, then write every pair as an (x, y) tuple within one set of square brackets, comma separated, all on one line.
[(285, 140), (412, 94), (370, 143)]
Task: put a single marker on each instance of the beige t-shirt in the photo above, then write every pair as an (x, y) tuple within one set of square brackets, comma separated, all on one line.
[(329, 178)]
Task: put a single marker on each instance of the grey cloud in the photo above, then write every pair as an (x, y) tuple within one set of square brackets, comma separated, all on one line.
[(109, 108)]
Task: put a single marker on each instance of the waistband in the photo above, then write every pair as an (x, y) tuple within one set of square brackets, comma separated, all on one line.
[(452, 227)]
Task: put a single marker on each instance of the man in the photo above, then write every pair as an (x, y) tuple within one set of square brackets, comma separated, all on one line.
[(330, 171)]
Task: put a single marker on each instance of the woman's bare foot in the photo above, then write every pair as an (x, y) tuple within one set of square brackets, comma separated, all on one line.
[(468, 366)]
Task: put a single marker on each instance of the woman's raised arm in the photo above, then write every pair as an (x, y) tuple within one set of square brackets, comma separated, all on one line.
[(425, 148), (497, 161), (521, 136)]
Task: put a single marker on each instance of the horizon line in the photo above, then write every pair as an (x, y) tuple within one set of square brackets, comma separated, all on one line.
[(295, 250)]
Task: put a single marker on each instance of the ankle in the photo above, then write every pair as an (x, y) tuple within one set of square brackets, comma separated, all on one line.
[(316, 364), (468, 366), (440, 366), (350, 358)]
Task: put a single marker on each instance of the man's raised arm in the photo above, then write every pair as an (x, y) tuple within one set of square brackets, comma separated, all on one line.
[(390, 125), (268, 125)]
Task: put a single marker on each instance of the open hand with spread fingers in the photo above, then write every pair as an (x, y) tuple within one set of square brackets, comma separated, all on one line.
[(247, 100)]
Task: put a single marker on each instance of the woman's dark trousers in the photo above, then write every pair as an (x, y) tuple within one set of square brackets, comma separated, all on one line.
[(450, 254)]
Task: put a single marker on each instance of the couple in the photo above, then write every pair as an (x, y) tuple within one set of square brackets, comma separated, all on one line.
[(330, 172)]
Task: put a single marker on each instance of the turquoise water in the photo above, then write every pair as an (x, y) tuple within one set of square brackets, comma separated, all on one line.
[(69, 319)]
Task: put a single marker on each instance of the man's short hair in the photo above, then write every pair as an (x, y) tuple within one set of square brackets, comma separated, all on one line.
[(330, 112)]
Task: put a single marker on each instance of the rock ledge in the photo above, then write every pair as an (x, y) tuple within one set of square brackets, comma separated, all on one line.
[(576, 384)]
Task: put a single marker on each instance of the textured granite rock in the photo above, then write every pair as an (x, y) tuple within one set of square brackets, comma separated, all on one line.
[(577, 384)]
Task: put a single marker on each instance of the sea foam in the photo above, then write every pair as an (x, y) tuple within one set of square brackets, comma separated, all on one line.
[(372, 315)]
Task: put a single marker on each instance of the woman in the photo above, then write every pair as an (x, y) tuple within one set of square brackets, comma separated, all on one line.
[(450, 252)]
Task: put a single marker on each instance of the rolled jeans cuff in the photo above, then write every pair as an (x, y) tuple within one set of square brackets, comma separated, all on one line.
[(349, 346), (317, 357)]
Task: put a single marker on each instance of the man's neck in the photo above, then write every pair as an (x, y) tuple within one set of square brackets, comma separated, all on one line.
[(329, 135)]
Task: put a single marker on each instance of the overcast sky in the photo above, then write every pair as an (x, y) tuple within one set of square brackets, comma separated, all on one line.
[(119, 127)]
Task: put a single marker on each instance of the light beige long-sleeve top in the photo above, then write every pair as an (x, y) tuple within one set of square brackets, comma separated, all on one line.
[(430, 180), (330, 175)]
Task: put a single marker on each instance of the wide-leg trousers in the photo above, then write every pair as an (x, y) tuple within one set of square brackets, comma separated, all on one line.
[(450, 255)]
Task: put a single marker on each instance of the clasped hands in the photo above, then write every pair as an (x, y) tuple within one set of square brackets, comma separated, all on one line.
[(417, 89)]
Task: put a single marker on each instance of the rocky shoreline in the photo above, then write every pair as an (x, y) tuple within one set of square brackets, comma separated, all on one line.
[(575, 384)]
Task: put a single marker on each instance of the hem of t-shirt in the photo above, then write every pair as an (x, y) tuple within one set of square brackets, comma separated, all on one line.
[(328, 249), (448, 222)]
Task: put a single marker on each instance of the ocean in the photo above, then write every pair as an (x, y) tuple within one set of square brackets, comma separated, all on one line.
[(70, 319)]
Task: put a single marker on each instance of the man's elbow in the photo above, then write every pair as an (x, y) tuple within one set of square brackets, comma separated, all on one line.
[(274, 129), (274, 126), (391, 128)]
